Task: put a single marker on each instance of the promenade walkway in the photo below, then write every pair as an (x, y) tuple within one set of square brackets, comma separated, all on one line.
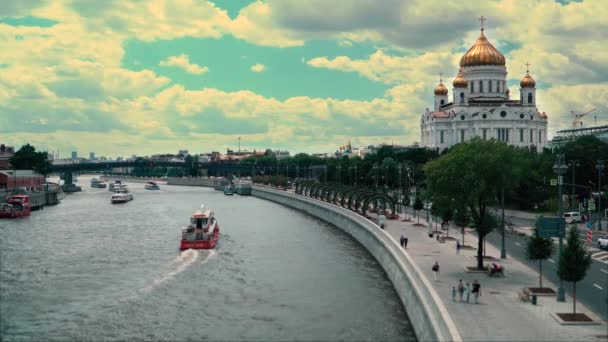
[(501, 315)]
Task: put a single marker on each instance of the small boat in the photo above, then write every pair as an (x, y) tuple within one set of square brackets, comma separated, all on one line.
[(152, 186), (228, 191), (117, 185), (16, 206), (121, 196), (202, 232), (99, 184)]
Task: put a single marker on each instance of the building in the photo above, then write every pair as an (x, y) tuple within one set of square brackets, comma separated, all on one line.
[(567, 135), (183, 152), (481, 105), (74, 155), (91, 155), (6, 152), (281, 154), (15, 179)]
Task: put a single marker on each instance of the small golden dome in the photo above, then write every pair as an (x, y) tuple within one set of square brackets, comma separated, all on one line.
[(440, 89), (527, 82), (460, 82), (482, 53)]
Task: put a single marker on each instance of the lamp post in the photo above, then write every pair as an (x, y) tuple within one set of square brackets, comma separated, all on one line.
[(355, 173), (600, 168), (339, 173), (560, 169), (400, 189), (573, 164)]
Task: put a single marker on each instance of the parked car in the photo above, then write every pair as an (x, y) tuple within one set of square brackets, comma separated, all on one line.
[(602, 243), (573, 217)]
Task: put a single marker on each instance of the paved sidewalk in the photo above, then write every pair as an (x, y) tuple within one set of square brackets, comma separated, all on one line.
[(501, 315)]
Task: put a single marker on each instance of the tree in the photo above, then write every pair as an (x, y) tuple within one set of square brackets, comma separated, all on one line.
[(574, 262), (447, 213), (418, 206), (28, 159), (468, 174), (539, 248), (462, 219)]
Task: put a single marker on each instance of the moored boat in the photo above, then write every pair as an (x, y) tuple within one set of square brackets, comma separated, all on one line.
[(16, 206), (121, 196), (228, 190), (243, 187), (202, 232), (152, 186)]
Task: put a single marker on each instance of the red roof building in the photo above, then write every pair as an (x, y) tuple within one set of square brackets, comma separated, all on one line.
[(15, 179)]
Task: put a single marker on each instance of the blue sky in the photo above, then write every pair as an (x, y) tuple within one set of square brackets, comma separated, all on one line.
[(141, 77)]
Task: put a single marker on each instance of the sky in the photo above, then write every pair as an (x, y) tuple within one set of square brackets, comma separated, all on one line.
[(119, 77)]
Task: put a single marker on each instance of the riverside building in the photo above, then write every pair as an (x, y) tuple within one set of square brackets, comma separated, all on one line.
[(481, 105)]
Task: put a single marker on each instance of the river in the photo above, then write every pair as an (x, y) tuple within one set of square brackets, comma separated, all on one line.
[(89, 270)]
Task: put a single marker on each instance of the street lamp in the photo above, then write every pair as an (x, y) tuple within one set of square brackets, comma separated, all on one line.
[(560, 169), (600, 168), (400, 189), (573, 164)]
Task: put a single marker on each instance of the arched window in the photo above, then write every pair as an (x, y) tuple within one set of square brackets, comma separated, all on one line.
[(472, 87), (480, 86), (529, 98), (442, 102), (461, 97), (498, 87), (490, 86)]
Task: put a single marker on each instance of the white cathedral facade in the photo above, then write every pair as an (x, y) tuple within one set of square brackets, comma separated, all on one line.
[(481, 105)]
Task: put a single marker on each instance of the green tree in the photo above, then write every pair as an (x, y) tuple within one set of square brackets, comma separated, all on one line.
[(468, 174), (539, 248), (574, 262), (462, 219), (418, 206), (28, 159)]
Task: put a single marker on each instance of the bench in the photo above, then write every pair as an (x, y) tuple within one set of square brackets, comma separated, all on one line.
[(524, 294)]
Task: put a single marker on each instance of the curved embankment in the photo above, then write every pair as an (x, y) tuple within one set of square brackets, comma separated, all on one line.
[(429, 318)]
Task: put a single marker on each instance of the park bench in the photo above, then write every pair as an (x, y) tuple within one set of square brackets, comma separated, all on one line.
[(524, 294)]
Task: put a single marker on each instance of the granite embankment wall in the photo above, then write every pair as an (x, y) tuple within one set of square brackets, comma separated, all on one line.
[(429, 318), (199, 181)]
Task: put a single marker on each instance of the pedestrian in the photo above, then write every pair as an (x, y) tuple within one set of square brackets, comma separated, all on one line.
[(467, 291), (405, 241), (460, 290), (401, 240), (435, 270), (453, 293), (476, 291), (458, 247)]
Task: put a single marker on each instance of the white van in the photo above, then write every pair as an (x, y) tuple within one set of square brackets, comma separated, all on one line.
[(573, 217)]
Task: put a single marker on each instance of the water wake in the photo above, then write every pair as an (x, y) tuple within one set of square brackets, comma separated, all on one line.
[(181, 263)]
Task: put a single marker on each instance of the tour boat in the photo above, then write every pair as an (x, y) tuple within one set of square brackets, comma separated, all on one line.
[(96, 183), (152, 186), (202, 232), (243, 187), (117, 185), (16, 206), (121, 196), (228, 191)]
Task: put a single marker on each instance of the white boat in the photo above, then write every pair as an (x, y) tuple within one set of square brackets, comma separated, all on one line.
[(152, 186), (96, 183), (121, 196), (117, 185)]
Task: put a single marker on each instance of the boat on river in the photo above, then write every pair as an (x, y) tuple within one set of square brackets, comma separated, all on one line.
[(16, 206), (116, 186), (99, 184), (228, 190), (202, 232), (152, 186), (243, 186), (121, 196)]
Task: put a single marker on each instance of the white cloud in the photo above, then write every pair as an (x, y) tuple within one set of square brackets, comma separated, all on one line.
[(258, 67), (183, 62)]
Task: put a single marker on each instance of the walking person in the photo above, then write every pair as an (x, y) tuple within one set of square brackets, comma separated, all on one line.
[(467, 291), (435, 270), (401, 240), (453, 293), (458, 247), (405, 241), (476, 291), (460, 290)]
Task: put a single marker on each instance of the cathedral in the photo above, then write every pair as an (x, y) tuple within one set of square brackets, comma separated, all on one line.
[(481, 105)]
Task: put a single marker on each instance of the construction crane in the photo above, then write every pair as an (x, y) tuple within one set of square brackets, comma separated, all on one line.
[(578, 117)]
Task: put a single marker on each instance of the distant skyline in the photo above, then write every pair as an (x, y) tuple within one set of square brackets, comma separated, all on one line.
[(121, 77)]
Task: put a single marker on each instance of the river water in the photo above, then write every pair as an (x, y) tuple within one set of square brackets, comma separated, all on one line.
[(89, 270)]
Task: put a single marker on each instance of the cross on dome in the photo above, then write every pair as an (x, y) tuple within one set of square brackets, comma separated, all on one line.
[(440, 76), (527, 67), (482, 19)]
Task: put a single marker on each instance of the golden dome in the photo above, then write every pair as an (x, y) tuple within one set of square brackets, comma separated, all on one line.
[(460, 82), (482, 53), (440, 89), (527, 82)]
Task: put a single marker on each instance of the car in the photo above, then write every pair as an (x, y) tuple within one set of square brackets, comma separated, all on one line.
[(602, 243), (573, 217)]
